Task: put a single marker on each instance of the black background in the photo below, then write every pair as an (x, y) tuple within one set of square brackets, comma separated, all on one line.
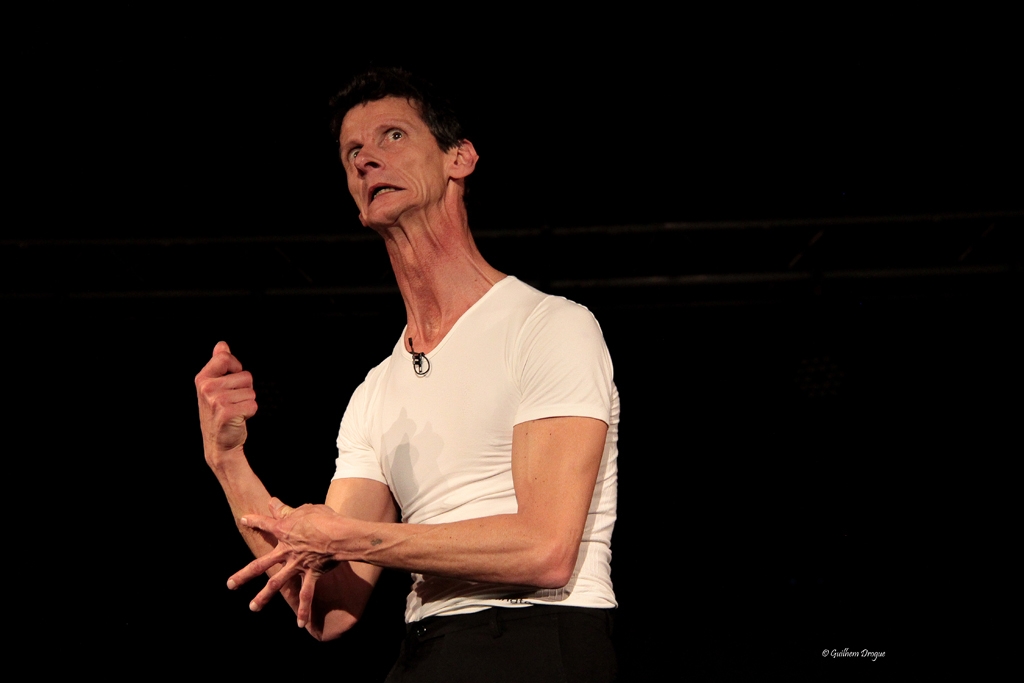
[(785, 452)]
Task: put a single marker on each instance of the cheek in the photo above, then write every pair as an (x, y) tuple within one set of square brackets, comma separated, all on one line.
[(354, 191), (429, 177)]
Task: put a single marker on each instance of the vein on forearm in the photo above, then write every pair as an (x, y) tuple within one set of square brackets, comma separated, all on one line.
[(498, 549)]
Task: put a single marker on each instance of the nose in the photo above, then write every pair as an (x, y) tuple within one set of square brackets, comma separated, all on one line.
[(366, 160)]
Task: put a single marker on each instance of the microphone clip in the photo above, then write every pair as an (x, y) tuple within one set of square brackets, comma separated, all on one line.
[(420, 362)]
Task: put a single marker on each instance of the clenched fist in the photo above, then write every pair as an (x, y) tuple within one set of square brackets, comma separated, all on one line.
[(226, 401)]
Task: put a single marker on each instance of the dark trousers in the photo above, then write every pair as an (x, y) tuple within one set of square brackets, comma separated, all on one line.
[(503, 645)]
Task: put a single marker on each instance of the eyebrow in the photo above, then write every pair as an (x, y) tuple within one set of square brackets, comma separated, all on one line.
[(393, 123)]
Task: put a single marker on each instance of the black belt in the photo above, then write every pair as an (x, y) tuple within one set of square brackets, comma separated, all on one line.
[(493, 617)]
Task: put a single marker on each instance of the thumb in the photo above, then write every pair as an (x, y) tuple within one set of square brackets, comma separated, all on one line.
[(221, 347), (279, 509)]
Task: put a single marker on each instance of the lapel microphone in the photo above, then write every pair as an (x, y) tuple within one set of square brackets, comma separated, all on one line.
[(420, 362)]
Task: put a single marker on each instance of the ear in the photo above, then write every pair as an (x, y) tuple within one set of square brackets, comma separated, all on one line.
[(464, 161)]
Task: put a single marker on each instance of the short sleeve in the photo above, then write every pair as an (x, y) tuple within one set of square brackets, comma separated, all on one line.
[(562, 364), (356, 457)]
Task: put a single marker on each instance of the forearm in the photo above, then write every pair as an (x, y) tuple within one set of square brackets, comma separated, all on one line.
[(554, 469), (510, 549), (342, 593), (245, 494)]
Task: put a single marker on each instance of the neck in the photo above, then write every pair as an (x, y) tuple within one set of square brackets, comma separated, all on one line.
[(439, 270)]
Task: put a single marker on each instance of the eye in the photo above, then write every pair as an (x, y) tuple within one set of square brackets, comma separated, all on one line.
[(395, 134), (353, 153)]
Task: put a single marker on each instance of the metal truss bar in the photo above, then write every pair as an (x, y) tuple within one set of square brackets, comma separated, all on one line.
[(531, 232), (766, 278), (627, 282)]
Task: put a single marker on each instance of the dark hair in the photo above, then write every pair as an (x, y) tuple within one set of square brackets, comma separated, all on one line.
[(380, 82)]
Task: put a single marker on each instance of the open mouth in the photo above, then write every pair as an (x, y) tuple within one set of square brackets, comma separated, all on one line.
[(381, 190)]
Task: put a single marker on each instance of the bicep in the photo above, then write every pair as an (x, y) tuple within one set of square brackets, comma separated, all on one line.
[(364, 499), (555, 462)]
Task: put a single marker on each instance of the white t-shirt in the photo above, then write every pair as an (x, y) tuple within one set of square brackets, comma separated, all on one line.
[(443, 442)]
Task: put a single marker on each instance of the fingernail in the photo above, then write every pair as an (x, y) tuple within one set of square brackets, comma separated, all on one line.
[(254, 607), (232, 585), (302, 624), (244, 521)]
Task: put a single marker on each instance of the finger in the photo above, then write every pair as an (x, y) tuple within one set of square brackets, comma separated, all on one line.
[(214, 399), (236, 405), (238, 396), (219, 365), (254, 521), (233, 381), (306, 597), (274, 585), (256, 568), (279, 509), (221, 347), (240, 403), (241, 412)]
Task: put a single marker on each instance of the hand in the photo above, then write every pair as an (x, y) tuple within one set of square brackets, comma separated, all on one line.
[(303, 547), (226, 401)]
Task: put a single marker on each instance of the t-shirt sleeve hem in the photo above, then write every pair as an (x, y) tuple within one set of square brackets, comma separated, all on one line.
[(350, 472), (597, 412)]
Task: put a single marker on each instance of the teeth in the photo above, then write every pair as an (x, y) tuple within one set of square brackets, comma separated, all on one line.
[(382, 190)]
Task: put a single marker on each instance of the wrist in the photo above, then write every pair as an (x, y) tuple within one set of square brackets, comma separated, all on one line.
[(353, 540), (221, 461)]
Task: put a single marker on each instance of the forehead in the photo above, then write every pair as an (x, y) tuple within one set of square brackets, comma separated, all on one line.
[(366, 117)]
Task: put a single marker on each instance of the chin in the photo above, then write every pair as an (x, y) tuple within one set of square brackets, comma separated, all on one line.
[(378, 221), (381, 217)]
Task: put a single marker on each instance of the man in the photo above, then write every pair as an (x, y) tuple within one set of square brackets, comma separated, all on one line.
[(490, 432)]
